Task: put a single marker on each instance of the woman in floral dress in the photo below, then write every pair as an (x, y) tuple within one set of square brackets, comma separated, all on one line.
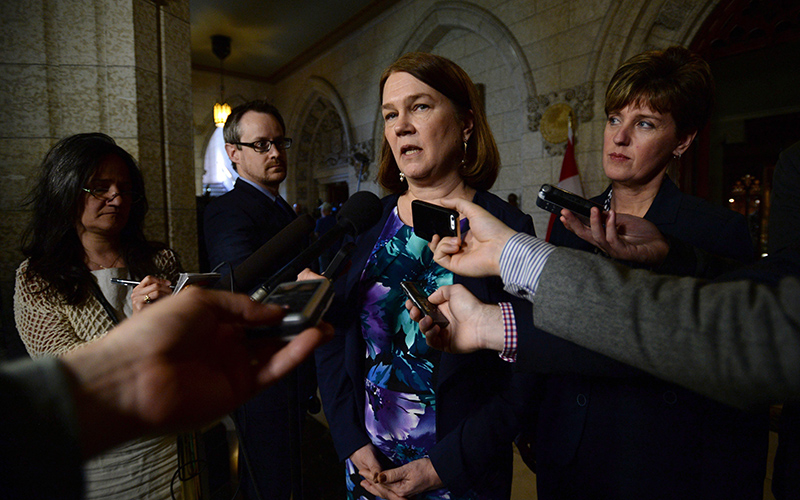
[(408, 420)]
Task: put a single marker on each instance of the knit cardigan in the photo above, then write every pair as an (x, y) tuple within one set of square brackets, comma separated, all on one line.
[(49, 326)]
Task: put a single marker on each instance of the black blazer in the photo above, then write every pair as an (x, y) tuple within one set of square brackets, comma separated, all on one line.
[(475, 415), (237, 223), (649, 438)]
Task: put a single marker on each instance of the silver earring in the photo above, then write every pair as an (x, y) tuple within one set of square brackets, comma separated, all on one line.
[(464, 159), (677, 156), (402, 177)]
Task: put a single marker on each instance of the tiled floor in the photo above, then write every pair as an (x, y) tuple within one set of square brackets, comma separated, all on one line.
[(523, 486)]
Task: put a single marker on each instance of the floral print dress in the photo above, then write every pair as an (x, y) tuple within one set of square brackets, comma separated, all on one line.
[(400, 409)]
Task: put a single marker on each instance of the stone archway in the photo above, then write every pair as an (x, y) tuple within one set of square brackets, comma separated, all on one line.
[(325, 150), (644, 26), (443, 17)]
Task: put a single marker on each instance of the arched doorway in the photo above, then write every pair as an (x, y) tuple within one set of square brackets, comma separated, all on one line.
[(754, 52)]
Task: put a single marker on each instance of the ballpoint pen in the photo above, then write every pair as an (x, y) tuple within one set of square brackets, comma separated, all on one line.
[(119, 281)]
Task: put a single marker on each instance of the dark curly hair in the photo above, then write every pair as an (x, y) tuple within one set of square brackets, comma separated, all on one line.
[(51, 240)]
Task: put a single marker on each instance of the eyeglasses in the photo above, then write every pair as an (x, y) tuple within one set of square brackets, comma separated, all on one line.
[(105, 194), (264, 146)]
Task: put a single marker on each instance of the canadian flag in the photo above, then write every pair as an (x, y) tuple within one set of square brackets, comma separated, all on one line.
[(569, 179)]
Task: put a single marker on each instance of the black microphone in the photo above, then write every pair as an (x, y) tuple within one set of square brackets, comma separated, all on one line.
[(269, 258), (360, 212), (340, 262)]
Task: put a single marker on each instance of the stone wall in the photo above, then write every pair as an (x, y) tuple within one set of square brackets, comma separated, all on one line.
[(118, 67), (526, 54)]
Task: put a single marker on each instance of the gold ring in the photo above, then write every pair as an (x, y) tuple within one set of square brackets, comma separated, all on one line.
[(147, 299)]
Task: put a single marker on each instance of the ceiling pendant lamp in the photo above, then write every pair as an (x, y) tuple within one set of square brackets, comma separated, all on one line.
[(221, 46)]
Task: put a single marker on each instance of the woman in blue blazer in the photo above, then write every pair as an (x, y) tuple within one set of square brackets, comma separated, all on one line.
[(406, 418)]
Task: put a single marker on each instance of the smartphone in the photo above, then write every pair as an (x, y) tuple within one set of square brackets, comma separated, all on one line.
[(307, 301), (430, 219), (554, 199), (413, 291)]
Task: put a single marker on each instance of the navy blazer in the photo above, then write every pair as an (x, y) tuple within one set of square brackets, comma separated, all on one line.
[(649, 438), (237, 223), (476, 419)]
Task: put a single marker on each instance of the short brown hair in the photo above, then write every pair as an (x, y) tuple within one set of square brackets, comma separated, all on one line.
[(674, 80), (446, 77), (231, 131)]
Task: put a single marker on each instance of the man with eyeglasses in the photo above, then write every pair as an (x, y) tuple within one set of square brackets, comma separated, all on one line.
[(240, 221), (237, 224)]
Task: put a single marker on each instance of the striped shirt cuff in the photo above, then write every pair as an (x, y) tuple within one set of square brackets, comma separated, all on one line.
[(510, 333), (521, 264)]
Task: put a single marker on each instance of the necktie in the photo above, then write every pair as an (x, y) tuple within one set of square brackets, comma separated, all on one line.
[(285, 206)]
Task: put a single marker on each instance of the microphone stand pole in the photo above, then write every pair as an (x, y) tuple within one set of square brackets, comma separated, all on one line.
[(295, 435)]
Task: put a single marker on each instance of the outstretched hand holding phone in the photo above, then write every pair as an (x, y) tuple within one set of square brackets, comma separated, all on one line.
[(472, 324), (179, 364), (477, 254)]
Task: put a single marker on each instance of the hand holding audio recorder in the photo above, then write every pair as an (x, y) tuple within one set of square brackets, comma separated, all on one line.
[(306, 302), (413, 291)]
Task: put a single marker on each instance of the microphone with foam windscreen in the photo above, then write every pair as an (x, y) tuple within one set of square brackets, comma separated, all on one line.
[(269, 258), (360, 212)]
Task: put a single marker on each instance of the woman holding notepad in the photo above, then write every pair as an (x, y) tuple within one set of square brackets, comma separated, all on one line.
[(88, 212)]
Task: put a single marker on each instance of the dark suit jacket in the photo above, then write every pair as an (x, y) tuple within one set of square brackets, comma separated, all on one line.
[(784, 213), (239, 222), (619, 433), (475, 417), (784, 232)]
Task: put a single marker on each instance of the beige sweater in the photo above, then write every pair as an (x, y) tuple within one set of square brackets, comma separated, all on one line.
[(49, 326)]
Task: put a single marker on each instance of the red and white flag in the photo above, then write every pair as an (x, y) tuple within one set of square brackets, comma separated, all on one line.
[(569, 179)]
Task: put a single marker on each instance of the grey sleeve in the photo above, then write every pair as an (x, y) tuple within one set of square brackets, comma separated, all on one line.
[(39, 449), (737, 342)]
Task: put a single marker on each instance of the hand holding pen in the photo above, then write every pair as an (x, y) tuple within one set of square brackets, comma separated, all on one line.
[(146, 291), (120, 281)]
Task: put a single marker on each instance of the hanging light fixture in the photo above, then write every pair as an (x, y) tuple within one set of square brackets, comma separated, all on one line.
[(221, 46)]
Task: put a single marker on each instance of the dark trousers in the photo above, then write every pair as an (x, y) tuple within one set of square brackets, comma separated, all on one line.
[(266, 438)]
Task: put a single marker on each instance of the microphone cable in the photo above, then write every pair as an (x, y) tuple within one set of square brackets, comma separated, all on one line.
[(230, 272), (243, 452)]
